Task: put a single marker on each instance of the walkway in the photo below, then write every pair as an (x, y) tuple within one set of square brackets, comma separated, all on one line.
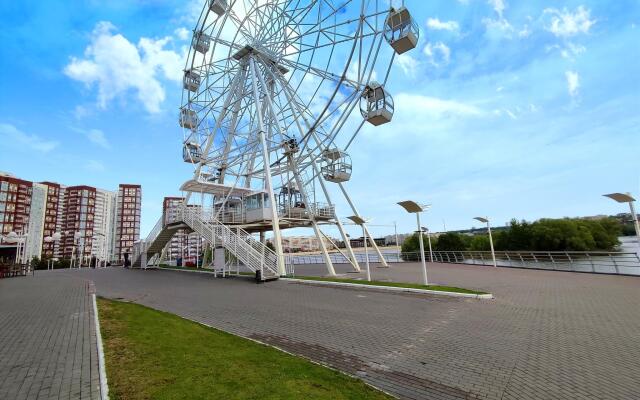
[(547, 335), (47, 338)]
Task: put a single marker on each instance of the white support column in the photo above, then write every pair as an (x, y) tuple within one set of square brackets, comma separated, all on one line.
[(300, 183), (424, 264), (327, 259), (345, 238), (355, 212), (493, 253), (634, 218), (275, 220)]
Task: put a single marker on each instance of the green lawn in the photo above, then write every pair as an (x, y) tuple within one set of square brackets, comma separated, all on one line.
[(155, 355), (393, 284), (372, 283)]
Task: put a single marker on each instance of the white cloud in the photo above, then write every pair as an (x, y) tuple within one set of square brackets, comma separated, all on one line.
[(435, 107), (97, 136), (573, 82), (524, 32), (436, 24), (566, 23), (117, 66), (13, 136), (182, 33), (408, 64), (499, 27), (498, 6), (439, 54), (572, 50)]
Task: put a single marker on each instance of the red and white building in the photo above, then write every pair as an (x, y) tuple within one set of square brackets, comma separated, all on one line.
[(183, 245), (86, 221)]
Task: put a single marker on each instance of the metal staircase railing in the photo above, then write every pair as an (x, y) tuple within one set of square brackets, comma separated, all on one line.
[(252, 253)]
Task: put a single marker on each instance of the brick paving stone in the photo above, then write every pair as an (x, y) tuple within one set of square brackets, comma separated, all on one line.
[(547, 335), (47, 338)]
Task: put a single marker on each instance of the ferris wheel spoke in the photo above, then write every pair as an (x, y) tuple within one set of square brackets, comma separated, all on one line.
[(321, 73)]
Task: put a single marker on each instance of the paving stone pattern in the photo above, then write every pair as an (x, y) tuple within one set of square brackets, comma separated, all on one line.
[(47, 338), (547, 335)]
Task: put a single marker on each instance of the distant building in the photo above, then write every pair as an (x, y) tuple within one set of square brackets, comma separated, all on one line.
[(183, 244), (127, 223), (359, 242), (89, 222), (293, 244)]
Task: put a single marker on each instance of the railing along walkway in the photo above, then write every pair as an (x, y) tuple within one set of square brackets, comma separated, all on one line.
[(625, 263)]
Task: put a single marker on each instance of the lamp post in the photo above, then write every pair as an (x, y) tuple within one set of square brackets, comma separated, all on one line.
[(395, 230), (361, 221), (20, 240), (627, 198), (414, 208), (485, 220), (425, 229)]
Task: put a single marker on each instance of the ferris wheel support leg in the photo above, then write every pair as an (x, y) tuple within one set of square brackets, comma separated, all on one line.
[(364, 226), (275, 221), (323, 247), (352, 257), (294, 169)]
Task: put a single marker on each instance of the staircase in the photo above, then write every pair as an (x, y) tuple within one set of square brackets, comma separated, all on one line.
[(252, 253)]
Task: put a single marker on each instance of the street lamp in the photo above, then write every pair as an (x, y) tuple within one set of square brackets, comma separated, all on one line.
[(485, 220), (52, 239), (361, 221), (627, 198), (414, 208), (425, 229)]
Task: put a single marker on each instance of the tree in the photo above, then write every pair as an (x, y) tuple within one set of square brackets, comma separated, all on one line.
[(517, 237), (480, 243), (411, 244), (452, 241)]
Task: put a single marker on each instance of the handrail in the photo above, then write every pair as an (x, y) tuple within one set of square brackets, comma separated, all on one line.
[(253, 254), (627, 263)]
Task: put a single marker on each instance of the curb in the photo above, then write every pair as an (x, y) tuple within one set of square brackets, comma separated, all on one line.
[(487, 296), (104, 388), (195, 271), (391, 288)]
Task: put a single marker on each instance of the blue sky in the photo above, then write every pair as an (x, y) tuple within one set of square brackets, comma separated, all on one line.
[(507, 109)]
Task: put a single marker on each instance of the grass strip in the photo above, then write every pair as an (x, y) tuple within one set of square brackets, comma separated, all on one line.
[(393, 284), (156, 355)]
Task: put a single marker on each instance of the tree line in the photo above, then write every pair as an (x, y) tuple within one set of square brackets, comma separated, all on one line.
[(567, 234)]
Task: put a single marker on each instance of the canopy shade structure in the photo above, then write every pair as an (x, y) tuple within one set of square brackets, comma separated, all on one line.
[(196, 186), (413, 207), (357, 220), (482, 219), (620, 197)]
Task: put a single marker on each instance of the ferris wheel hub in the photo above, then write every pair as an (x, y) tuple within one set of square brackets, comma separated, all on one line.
[(261, 53)]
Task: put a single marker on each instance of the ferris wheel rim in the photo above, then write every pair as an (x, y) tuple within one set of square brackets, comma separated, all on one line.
[(227, 69)]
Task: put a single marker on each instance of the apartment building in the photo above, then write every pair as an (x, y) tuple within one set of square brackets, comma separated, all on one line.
[(183, 244), (127, 222), (52, 224), (15, 204), (69, 222)]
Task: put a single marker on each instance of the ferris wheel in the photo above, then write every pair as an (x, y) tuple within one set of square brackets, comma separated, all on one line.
[(275, 93)]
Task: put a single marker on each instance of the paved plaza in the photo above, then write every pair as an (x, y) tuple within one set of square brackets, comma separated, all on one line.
[(546, 335), (47, 338)]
